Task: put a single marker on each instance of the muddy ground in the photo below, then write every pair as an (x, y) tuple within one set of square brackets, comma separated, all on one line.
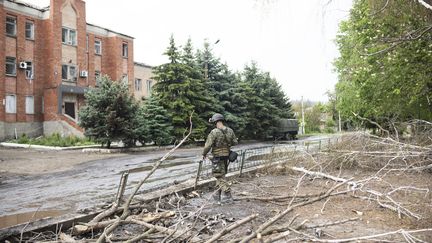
[(32, 161)]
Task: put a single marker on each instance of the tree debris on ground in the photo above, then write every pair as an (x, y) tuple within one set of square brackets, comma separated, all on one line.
[(364, 188)]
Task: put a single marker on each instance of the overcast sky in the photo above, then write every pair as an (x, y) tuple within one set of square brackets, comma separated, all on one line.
[(292, 39)]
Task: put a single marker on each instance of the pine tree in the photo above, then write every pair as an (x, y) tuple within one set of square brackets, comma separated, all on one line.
[(180, 92), (109, 113), (156, 127)]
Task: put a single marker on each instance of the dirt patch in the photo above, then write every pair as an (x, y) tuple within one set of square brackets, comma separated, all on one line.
[(29, 161)]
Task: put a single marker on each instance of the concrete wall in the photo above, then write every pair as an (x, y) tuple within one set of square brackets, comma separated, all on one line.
[(31, 129), (144, 73), (62, 127)]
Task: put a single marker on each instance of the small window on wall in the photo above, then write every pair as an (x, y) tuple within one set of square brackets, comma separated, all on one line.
[(69, 36), (138, 84), (11, 24), (69, 73), (29, 70), (29, 30), (10, 65), (29, 104), (98, 78), (125, 79), (149, 86), (125, 50), (10, 103), (98, 47)]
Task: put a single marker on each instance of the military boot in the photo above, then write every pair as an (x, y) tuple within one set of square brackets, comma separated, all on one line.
[(217, 196), (227, 197)]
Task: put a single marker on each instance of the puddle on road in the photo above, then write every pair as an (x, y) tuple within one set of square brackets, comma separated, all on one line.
[(149, 167), (14, 219)]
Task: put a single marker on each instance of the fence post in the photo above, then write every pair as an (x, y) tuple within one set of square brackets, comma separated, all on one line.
[(329, 143), (198, 173), (242, 161), (307, 148), (319, 149)]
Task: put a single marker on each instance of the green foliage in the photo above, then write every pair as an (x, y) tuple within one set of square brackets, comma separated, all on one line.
[(384, 67), (313, 118), (154, 123), (109, 114), (266, 102), (251, 101), (54, 139), (180, 92)]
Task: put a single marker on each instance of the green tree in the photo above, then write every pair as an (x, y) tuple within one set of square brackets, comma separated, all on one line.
[(109, 113), (155, 125), (179, 92), (266, 102), (384, 68)]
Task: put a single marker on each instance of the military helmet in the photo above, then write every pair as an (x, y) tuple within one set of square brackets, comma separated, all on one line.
[(217, 117)]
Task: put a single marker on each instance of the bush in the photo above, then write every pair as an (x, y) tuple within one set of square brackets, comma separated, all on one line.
[(54, 139)]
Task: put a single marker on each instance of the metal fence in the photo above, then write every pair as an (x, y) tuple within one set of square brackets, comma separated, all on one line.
[(278, 152)]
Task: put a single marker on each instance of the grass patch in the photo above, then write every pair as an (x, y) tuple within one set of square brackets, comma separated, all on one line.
[(54, 140)]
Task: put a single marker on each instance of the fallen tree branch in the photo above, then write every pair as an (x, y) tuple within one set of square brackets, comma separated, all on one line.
[(156, 165), (162, 229), (287, 210), (231, 227), (119, 195), (366, 237)]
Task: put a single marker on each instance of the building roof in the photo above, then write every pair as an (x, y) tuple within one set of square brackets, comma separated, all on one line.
[(110, 31), (22, 3), (32, 8), (142, 65)]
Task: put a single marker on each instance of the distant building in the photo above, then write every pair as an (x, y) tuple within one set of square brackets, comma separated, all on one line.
[(143, 82), (48, 58)]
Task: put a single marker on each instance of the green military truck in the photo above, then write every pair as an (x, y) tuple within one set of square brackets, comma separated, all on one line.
[(287, 129)]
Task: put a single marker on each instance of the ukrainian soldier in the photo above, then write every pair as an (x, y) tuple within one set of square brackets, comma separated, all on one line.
[(219, 141)]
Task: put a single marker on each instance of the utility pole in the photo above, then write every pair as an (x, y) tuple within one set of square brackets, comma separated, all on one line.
[(303, 120)]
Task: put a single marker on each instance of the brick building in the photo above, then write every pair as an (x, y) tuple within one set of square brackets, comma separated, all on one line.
[(48, 58)]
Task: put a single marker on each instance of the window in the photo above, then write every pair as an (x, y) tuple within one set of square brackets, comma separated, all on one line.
[(125, 50), (98, 78), (69, 73), (11, 26), (69, 36), (10, 104), (29, 30), (29, 70), (125, 79), (138, 84), (149, 86), (29, 104), (98, 47), (10, 65)]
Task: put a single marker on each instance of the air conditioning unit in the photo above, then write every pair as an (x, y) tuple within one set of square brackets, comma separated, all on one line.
[(83, 74), (23, 65)]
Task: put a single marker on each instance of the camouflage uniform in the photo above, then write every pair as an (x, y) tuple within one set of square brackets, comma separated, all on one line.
[(220, 147)]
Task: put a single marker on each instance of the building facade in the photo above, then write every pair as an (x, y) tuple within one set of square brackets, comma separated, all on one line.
[(48, 58), (143, 82)]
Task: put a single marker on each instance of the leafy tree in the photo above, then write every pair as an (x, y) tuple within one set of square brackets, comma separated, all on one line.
[(384, 67), (154, 125), (109, 113)]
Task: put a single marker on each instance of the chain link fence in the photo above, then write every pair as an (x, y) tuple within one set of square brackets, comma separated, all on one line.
[(278, 152)]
